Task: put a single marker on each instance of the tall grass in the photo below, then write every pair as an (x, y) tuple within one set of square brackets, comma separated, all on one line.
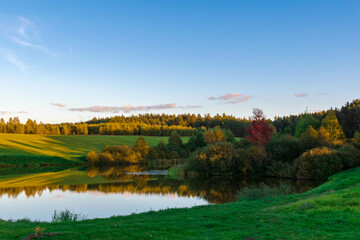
[(67, 216)]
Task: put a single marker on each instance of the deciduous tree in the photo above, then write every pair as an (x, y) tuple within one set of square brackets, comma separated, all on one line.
[(260, 132)]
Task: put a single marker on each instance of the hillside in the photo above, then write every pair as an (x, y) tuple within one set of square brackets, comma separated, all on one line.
[(20, 149)]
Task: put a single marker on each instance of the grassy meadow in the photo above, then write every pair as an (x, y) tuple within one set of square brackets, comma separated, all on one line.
[(20, 149), (330, 211)]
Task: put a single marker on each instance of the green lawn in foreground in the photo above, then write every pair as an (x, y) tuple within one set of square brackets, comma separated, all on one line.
[(331, 211), (42, 149)]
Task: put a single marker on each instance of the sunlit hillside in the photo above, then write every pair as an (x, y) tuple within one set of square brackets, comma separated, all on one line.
[(42, 149)]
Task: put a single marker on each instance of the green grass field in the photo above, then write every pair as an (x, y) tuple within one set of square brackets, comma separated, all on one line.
[(331, 211), (20, 149)]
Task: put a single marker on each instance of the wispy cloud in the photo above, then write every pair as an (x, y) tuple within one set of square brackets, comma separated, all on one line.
[(7, 112), (299, 95), (20, 32), (58, 105), (27, 36), (231, 98), (129, 108), (25, 26), (190, 106), (31, 45), (12, 58)]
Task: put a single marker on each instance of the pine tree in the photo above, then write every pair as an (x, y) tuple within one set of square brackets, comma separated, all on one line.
[(332, 126), (175, 139)]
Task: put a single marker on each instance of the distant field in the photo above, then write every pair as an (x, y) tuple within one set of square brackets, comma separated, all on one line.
[(20, 149)]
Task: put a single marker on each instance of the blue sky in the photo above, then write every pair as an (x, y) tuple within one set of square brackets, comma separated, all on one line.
[(66, 61)]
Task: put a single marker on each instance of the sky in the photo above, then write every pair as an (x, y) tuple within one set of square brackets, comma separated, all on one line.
[(70, 61)]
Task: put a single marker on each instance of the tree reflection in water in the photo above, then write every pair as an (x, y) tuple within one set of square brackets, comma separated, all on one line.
[(118, 180)]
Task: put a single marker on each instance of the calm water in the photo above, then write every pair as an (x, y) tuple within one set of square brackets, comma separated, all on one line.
[(100, 193)]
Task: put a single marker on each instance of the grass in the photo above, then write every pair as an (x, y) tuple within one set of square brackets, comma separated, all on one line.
[(28, 149), (331, 211)]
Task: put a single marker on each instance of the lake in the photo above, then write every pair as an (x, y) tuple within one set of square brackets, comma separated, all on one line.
[(35, 193)]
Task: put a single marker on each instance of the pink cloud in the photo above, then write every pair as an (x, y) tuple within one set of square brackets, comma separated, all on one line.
[(232, 98), (58, 104), (129, 108), (301, 95)]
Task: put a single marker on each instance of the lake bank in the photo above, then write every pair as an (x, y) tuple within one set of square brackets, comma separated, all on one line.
[(35, 193), (298, 216)]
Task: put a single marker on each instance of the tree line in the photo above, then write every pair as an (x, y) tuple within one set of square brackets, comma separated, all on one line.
[(348, 117), (186, 124)]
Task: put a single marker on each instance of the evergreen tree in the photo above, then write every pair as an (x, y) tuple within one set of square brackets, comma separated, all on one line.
[(175, 143), (332, 126), (175, 139), (196, 141), (304, 123)]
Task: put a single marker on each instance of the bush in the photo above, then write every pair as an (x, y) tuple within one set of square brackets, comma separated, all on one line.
[(280, 169), (317, 163), (215, 159), (284, 148), (255, 160), (174, 155), (306, 142), (92, 158), (105, 158), (125, 154), (349, 155)]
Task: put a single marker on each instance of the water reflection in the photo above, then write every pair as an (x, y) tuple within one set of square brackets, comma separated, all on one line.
[(149, 188)]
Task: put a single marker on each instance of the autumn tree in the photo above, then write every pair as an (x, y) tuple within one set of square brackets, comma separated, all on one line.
[(332, 126), (260, 132), (142, 147), (215, 135), (65, 130)]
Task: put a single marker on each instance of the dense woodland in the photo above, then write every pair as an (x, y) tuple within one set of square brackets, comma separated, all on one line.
[(185, 124)]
